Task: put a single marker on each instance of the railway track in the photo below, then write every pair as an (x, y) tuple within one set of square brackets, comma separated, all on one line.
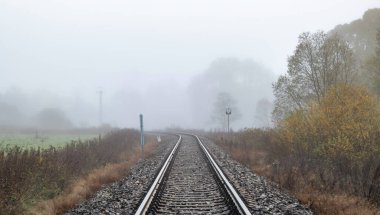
[(190, 182)]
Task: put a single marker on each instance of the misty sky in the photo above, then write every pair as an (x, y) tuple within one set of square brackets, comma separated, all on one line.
[(146, 49)]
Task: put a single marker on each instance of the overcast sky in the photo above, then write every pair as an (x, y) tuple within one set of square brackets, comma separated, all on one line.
[(78, 46)]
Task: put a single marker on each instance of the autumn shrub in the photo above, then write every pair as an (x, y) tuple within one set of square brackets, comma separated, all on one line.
[(344, 123), (338, 138), (30, 175)]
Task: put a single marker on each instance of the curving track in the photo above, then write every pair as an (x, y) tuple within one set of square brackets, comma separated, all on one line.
[(190, 182)]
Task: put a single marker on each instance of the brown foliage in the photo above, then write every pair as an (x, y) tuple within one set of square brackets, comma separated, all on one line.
[(337, 139)]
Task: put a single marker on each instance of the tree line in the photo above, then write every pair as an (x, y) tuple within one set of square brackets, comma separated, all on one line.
[(327, 117)]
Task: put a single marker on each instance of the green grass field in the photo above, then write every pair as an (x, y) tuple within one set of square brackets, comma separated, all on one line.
[(26, 141)]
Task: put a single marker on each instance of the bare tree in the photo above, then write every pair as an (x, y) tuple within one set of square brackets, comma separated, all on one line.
[(318, 62), (244, 80), (263, 113), (223, 101)]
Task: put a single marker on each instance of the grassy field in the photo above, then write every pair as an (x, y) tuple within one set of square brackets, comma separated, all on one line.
[(43, 141)]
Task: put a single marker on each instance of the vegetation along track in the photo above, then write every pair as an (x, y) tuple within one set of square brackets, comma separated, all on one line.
[(190, 182)]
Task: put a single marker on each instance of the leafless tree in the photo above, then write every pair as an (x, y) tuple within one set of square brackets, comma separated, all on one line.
[(319, 61), (223, 101)]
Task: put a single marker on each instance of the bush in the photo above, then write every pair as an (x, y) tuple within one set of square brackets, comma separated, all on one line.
[(344, 124), (341, 132)]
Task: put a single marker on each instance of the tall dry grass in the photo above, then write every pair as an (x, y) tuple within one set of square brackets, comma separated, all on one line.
[(88, 184), (33, 175), (311, 181)]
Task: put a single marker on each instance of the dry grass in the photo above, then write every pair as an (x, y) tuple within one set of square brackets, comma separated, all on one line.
[(29, 176), (340, 204), (87, 185), (320, 201)]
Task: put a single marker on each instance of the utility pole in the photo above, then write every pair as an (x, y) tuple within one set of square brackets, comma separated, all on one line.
[(100, 107), (142, 135), (228, 113)]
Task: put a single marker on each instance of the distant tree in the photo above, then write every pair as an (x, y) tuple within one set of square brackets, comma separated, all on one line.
[(52, 118), (373, 65), (263, 113), (224, 100), (361, 33), (245, 80), (319, 62)]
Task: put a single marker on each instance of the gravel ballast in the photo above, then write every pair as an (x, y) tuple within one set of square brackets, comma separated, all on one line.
[(123, 197), (262, 197)]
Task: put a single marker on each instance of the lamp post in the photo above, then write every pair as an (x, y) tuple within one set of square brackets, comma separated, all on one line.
[(228, 113)]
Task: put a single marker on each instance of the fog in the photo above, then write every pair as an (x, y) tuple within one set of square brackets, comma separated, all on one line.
[(166, 59)]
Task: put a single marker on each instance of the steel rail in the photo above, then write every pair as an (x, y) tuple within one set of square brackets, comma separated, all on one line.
[(150, 194), (231, 190), (239, 203)]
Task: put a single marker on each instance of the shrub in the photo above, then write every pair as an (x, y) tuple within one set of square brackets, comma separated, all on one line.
[(339, 133), (344, 125)]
